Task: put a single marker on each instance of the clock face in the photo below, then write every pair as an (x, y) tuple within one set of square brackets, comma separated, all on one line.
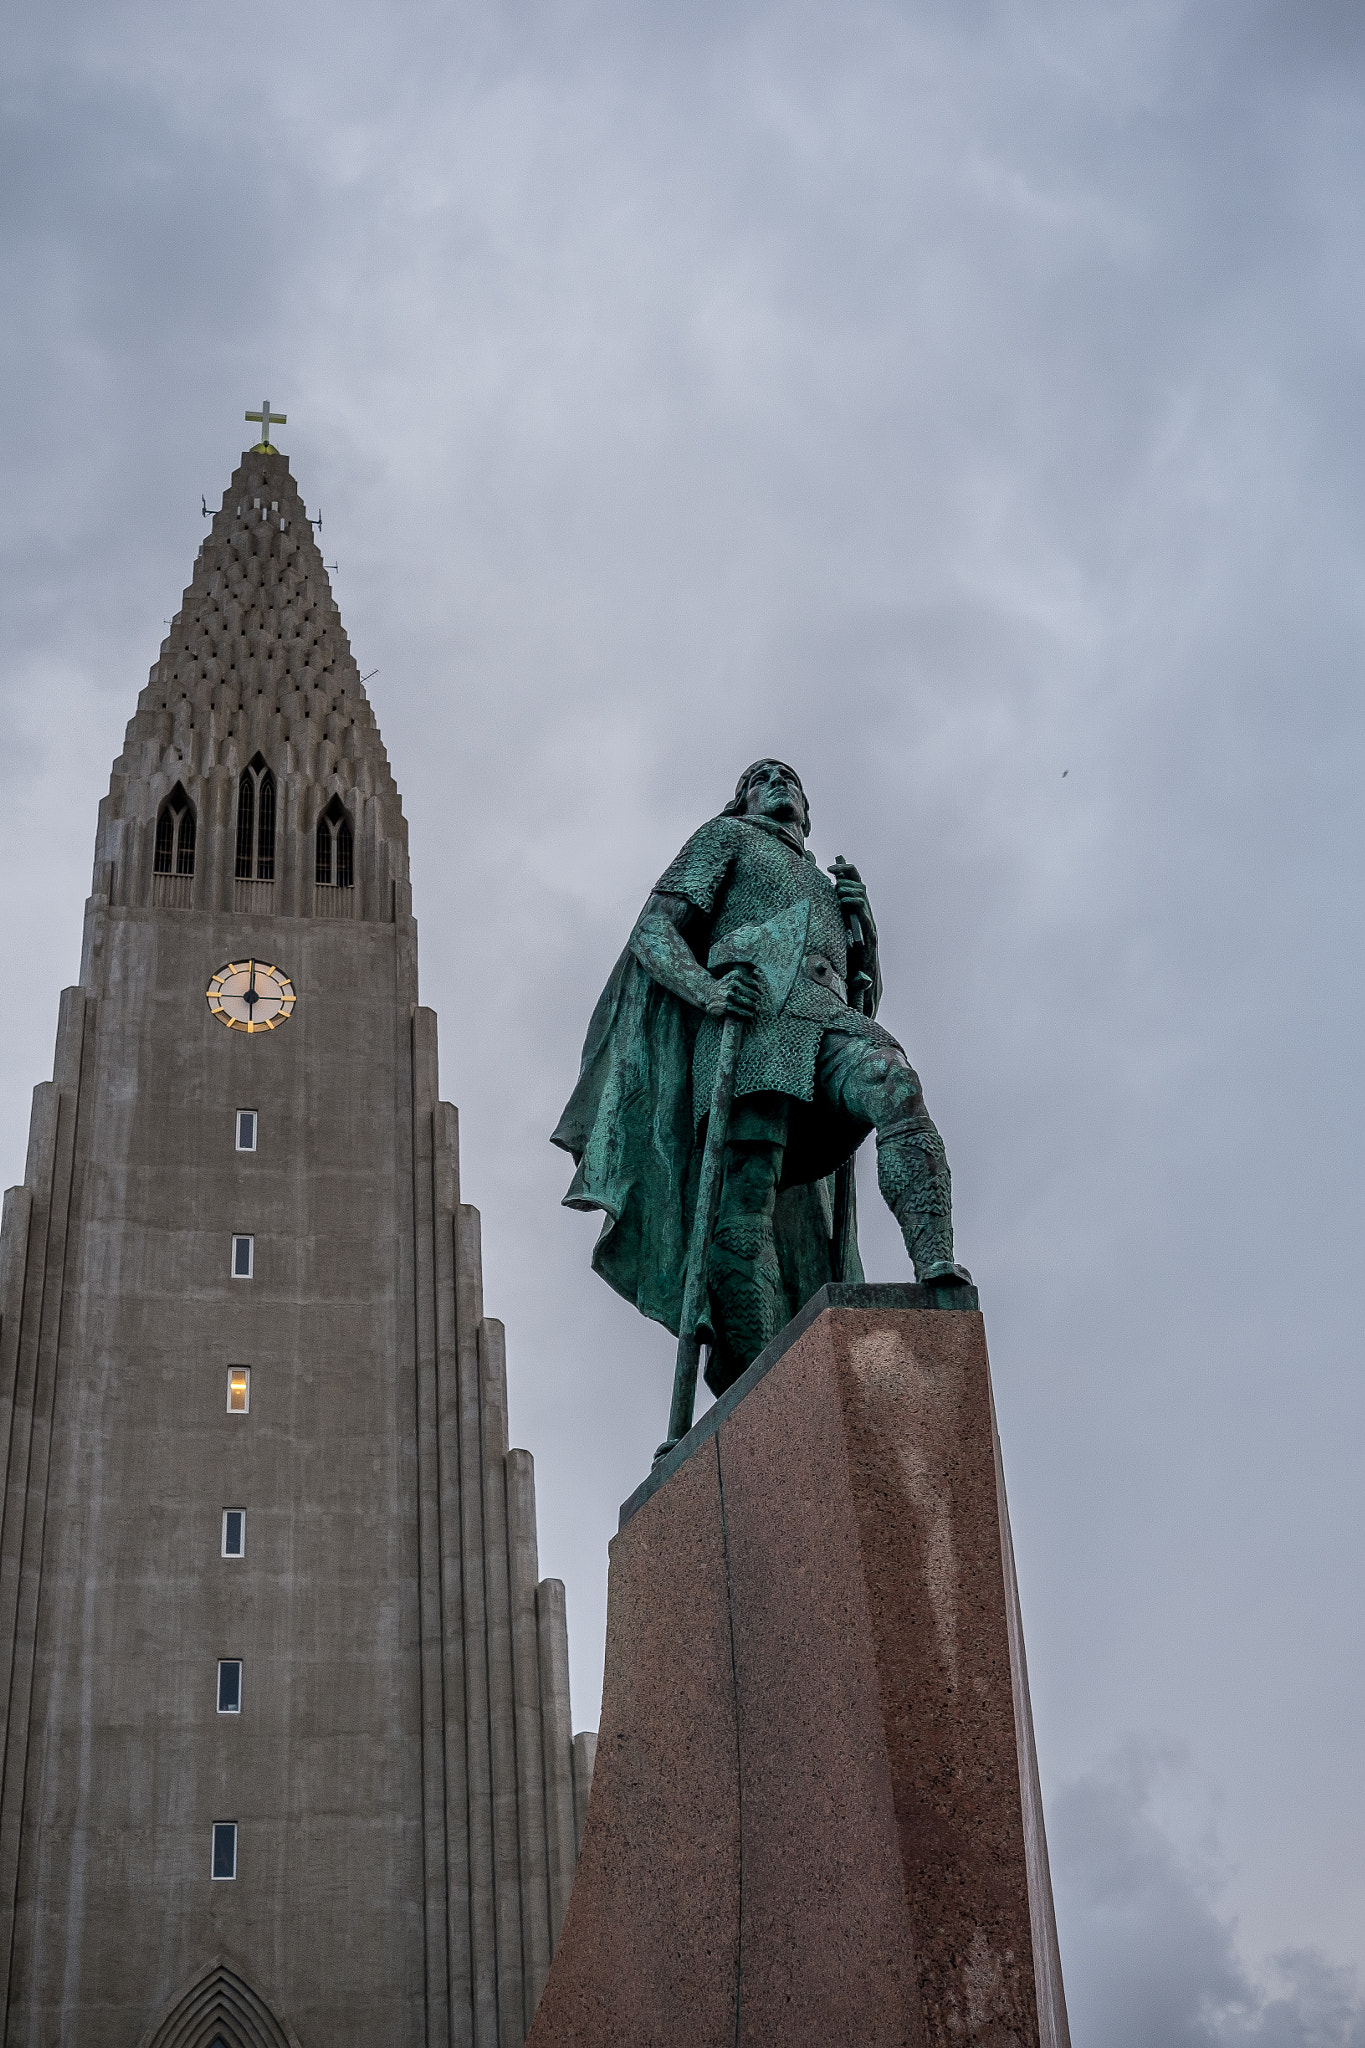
[(247, 995)]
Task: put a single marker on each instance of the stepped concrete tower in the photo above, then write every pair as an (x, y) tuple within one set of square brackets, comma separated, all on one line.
[(285, 1745)]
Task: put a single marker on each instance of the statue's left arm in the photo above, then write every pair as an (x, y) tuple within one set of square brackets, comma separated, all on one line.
[(851, 891)]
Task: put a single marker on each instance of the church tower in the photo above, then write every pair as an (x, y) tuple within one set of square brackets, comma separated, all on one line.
[(285, 1749)]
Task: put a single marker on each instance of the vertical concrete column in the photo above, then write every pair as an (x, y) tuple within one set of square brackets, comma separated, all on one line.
[(141, 848), (18, 1206), (38, 1176), (26, 1490), (523, 1572), (96, 924), (462, 1418), (17, 1233), (288, 828), (447, 1962), (373, 881), (561, 1845), (512, 2019), (220, 840)]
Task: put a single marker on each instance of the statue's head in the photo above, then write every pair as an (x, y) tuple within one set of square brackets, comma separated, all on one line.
[(770, 789)]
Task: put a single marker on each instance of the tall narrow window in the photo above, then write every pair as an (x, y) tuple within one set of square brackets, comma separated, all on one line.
[(224, 1848), (246, 1130), (265, 829), (184, 852), (174, 853), (229, 1685), (234, 1532), (239, 1389), (246, 826), (243, 1257), (256, 823), (334, 866), (164, 863)]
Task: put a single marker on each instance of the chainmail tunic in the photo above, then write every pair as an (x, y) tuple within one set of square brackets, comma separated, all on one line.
[(737, 872)]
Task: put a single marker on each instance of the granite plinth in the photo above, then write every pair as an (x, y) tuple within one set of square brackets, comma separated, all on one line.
[(815, 1815)]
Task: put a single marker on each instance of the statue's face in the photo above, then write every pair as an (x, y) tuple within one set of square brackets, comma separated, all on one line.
[(772, 791)]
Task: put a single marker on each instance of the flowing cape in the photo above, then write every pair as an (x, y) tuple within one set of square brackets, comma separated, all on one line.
[(629, 1128)]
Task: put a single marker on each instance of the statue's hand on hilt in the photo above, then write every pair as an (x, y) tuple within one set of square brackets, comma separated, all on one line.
[(734, 994), (851, 891)]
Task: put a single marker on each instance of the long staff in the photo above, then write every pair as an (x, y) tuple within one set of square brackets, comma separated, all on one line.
[(703, 1225), (860, 986)]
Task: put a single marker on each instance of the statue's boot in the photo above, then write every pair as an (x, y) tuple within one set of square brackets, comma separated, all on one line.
[(748, 1306), (912, 1173)]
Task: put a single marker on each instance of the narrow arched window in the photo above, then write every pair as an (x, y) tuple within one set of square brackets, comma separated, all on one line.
[(256, 823), (246, 826), (175, 836), (335, 860), (184, 849), (265, 829)]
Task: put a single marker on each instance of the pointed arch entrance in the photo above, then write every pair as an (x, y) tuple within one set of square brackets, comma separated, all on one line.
[(218, 2008)]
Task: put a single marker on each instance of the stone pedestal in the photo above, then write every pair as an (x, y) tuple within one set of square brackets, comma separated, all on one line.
[(815, 1816)]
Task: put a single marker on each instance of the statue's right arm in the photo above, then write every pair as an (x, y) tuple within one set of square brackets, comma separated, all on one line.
[(660, 945)]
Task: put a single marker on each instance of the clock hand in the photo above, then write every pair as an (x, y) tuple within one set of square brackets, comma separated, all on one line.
[(251, 996)]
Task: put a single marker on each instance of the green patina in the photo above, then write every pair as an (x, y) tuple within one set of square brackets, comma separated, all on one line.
[(744, 925)]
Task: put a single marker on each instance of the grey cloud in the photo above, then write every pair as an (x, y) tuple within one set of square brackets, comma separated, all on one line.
[(941, 396), (1151, 1961)]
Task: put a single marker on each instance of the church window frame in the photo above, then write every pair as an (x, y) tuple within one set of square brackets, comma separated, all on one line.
[(247, 1129), (243, 1257), (234, 1533), (334, 848), (223, 1852), (174, 844), (239, 1390), (229, 1685), (256, 813)]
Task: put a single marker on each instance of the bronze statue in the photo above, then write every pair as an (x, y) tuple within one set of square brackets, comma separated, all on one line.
[(732, 1068)]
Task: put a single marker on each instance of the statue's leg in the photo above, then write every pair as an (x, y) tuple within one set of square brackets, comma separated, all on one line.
[(877, 1085), (748, 1306)]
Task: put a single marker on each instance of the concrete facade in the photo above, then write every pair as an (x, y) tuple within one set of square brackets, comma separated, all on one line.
[(402, 1774)]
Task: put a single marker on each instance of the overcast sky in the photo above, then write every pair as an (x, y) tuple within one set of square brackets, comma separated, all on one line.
[(963, 401)]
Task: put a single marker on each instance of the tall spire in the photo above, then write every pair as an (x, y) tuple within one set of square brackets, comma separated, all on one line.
[(256, 663), (258, 634)]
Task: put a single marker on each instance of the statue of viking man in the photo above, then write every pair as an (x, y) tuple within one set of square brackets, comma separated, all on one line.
[(745, 924)]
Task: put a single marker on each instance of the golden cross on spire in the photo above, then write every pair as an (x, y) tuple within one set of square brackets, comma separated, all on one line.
[(267, 419)]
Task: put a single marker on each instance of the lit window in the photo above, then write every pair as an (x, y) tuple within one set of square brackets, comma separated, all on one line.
[(225, 1848), (243, 1251), (229, 1685), (239, 1389), (246, 1130), (234, 1532)]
